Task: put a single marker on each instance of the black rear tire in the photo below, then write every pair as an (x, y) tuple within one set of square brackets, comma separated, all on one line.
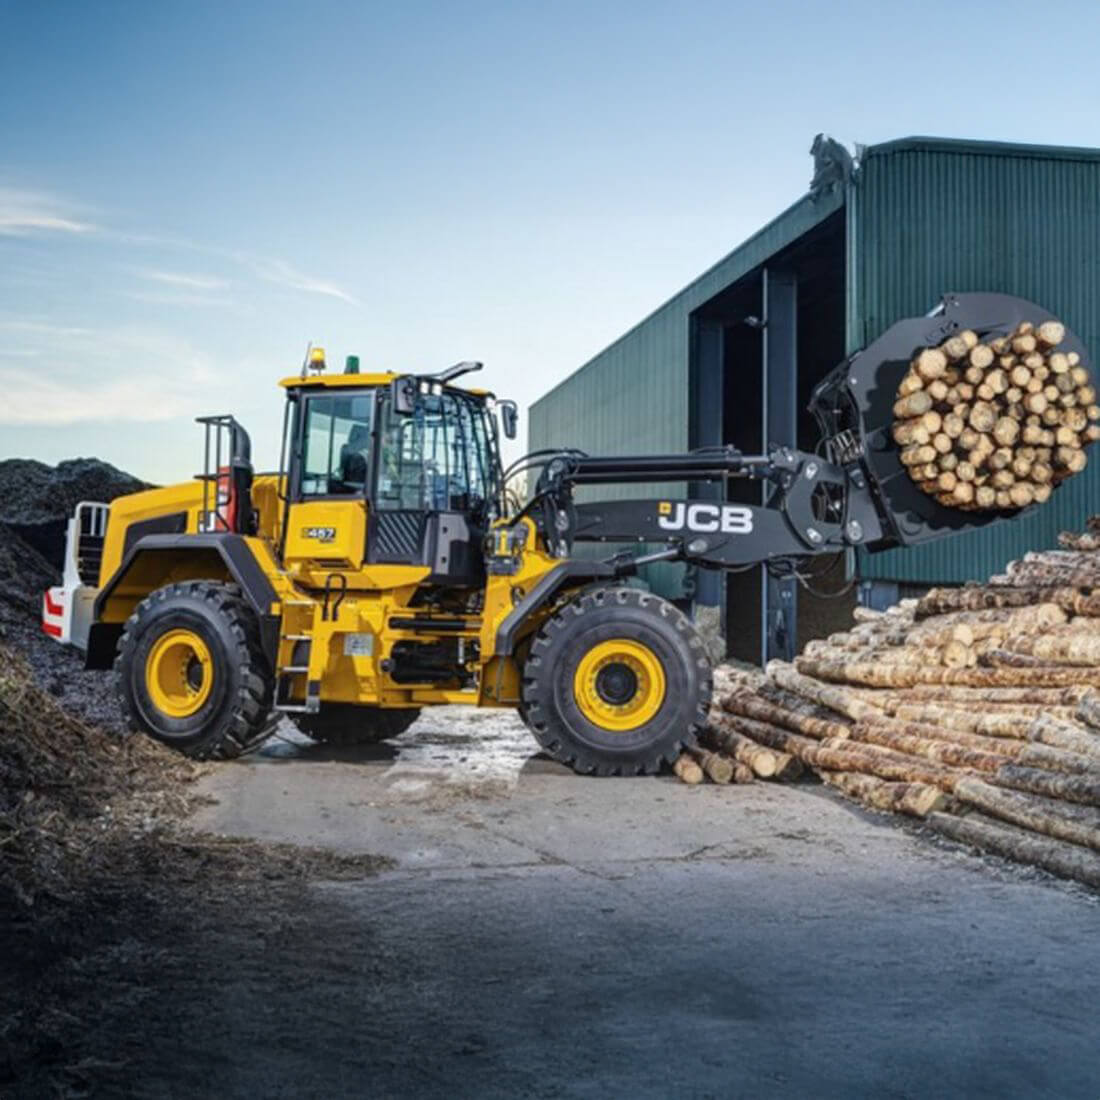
[(573, 697), (228, 712), (347, 724)]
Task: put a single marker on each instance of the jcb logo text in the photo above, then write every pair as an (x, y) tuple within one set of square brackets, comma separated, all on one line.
[(731, 519)]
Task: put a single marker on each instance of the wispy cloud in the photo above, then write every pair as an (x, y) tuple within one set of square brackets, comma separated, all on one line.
[(23, 213), (176, 298), (181, 288), (276, 271), (59, 367), (44, 328), (37, 212), (279, 271), (48, 401), (112, 374), (191, 282)]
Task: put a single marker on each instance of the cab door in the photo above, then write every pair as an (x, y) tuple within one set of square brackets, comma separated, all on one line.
[(330, 474), (433, 486)]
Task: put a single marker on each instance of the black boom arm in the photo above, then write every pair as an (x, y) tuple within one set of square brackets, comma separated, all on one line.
[(814, 507)]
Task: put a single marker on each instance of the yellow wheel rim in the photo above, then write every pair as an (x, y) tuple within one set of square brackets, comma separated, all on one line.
[(179, 673), (619, 685)]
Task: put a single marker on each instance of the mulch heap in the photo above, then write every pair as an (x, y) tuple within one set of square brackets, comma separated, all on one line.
[(36, 500), (36, 503), (85, 813), (974, 709), (70, 793)]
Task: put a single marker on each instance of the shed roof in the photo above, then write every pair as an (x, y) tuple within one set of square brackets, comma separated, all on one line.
[(923, 144)]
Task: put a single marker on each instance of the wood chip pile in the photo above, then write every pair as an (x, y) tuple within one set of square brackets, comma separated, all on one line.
[(975, 709), (996, 425)]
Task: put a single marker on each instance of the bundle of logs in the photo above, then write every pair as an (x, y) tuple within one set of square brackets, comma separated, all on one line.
[(996, 425), (975, 709)]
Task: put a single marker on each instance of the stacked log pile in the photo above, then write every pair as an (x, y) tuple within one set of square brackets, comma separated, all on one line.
[(996, 424), (974, 709)]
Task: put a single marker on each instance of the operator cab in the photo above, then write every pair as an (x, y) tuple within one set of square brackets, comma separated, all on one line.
[(391, 470)]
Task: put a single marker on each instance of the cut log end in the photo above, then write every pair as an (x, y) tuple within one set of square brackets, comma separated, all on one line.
[(687, 770), (987, 407)]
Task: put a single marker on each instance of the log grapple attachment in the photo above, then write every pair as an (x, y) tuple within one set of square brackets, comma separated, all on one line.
[(854, 407)]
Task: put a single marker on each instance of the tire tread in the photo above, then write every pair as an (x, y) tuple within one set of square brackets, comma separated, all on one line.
[(536, 683), (250, 721)]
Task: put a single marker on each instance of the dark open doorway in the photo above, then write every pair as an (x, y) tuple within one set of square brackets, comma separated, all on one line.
[(728, 406)]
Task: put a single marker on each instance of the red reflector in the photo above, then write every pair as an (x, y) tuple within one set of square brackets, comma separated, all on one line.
[(53, 631), (53, 608)]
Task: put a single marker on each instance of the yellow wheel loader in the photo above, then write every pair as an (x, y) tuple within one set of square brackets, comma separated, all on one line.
[(386, 566)]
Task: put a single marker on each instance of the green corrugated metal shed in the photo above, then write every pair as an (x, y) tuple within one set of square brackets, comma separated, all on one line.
[(924, 216)]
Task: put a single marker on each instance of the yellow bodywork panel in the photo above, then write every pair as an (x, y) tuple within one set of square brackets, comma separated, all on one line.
[(151, 509), (401, 580), (500, 683), (504, 590), (349, 650), (329, 531), (154, 569), (267, 503)]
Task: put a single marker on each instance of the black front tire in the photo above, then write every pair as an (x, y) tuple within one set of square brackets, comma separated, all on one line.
[(347, 724), (571, 732), (235, 715)]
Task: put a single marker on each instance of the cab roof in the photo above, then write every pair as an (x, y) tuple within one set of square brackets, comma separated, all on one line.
[(323, 380)]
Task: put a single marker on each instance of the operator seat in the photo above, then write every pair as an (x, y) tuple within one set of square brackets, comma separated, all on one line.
[(354, 456)]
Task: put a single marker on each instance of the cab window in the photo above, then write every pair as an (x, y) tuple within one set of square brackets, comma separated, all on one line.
[(336, 445), (438, 459)]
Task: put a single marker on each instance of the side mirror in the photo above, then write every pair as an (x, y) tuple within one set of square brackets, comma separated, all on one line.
[(509, 417), (403, 395)]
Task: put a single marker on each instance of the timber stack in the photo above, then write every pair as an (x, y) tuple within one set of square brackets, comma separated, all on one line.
[(996, 425), (974, 709)]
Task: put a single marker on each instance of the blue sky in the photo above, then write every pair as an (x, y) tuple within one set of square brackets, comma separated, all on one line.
[(189, 192)]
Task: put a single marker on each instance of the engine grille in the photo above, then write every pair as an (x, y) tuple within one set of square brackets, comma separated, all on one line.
[(396, 537)]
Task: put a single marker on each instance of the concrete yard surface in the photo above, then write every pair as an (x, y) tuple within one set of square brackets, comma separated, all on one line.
[(547, 935)]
